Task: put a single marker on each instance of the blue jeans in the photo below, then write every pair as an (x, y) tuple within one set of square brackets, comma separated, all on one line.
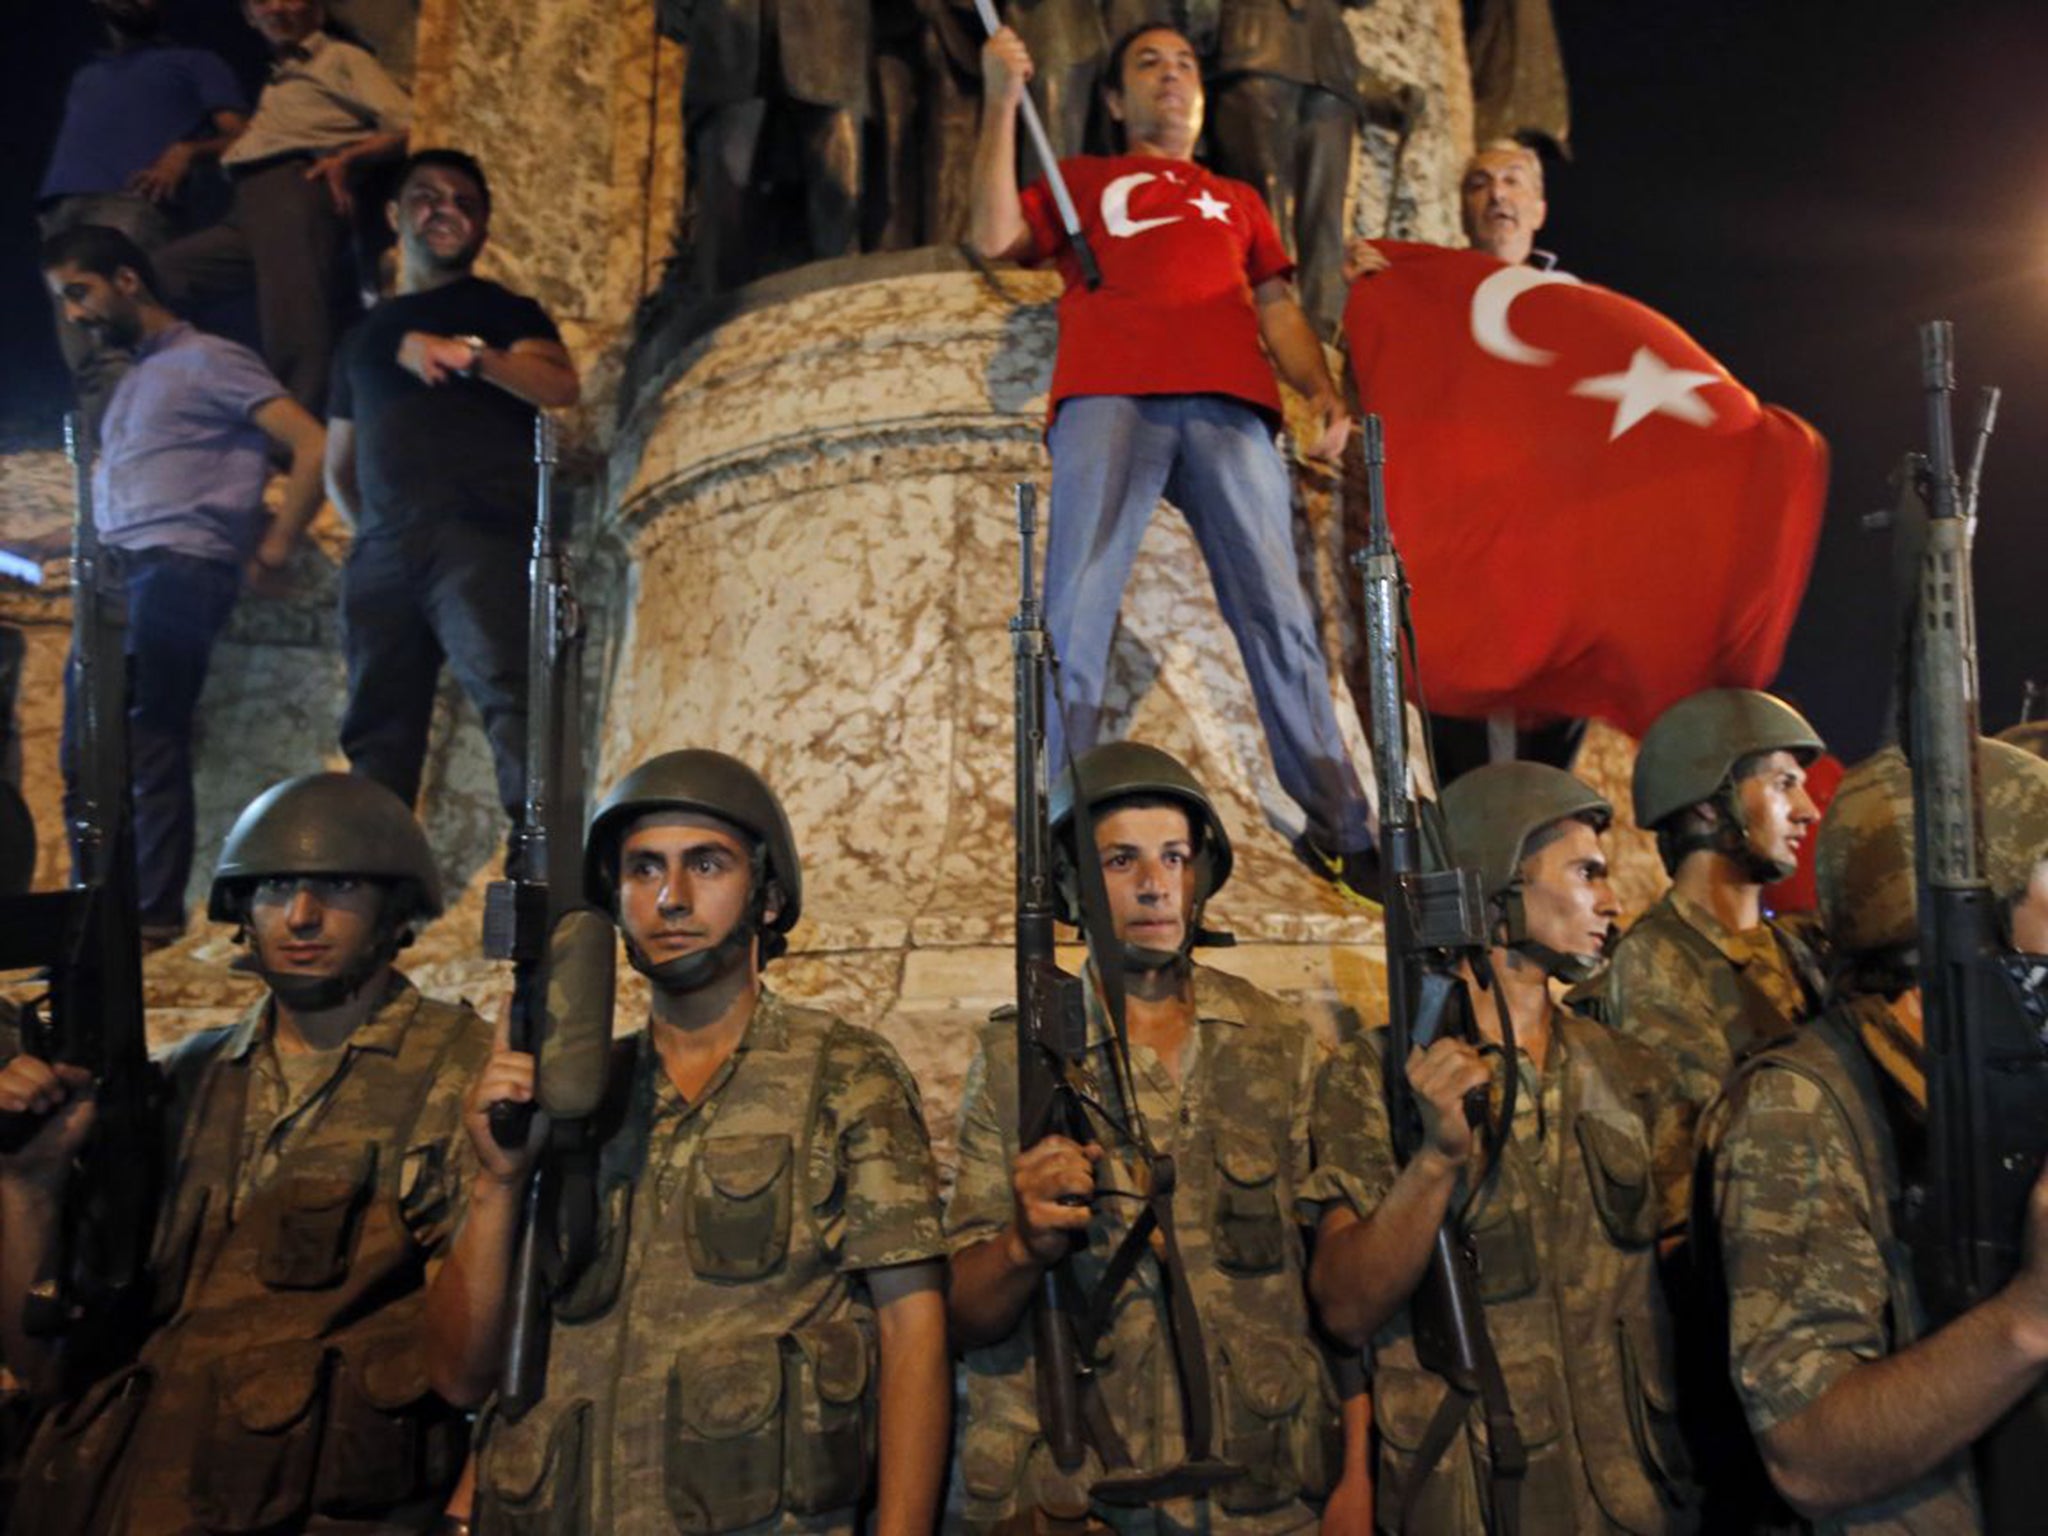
[(177, 606), (1113, 456)]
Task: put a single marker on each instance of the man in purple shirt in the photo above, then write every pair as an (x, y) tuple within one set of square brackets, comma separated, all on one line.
[(137, 119), (178, 495)]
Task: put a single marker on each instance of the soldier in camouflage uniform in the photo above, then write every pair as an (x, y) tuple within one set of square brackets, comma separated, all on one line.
[(1704, 976), (317, 1159), (1862, 1421), (1565, 1236), (1220, 1077), (765, 1307)]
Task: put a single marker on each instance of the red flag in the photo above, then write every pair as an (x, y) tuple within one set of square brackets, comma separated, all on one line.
[(1596, 518)]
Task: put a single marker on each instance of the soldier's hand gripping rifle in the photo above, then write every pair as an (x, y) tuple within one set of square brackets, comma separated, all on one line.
[(1049, 1007), (89, 939), (1434, 920), (562, 953)]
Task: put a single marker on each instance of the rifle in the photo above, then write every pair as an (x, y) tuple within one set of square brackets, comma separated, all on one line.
[(1987, 1073), (1434, 919), (89, 939), (1050, 1019), (562, 953)]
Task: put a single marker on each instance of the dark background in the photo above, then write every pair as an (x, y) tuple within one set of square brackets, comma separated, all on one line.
[(1797, 182)]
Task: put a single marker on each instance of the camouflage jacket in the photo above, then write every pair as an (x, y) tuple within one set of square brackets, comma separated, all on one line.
[(1237, 1128), (1703, 998), (285, 1386), (1805, 1180), (1566, 1244), (714, 1368)]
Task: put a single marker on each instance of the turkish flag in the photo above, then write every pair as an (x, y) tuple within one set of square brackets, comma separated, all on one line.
[(1596, 519)]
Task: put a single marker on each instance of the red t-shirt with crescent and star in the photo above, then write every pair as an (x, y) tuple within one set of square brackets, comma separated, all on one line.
[(1180, 251)]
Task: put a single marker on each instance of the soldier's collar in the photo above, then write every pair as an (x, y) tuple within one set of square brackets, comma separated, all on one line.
[(1737, 948), (1215, 1003), (384, 1030)]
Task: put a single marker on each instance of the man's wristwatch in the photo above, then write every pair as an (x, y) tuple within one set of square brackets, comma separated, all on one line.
[(477, 347)]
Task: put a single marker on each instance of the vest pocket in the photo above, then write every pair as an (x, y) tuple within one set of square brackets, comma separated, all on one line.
[(1249, 1234), (306, 1226), (1504, 1240), (258, 1454), (1653, 1415), (1273, 1402), (74, 1457), (1453, 1493), (1618, 1168), (739, 1206), (724, 1457), (830, 1442), (389, 1438), (534, 1475)]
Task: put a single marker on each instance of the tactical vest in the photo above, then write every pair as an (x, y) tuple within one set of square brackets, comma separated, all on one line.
[(1758, 1019), (1584, 1341), (288, 1378), (712, 1369), (1828, 1056), (1275, 1409)]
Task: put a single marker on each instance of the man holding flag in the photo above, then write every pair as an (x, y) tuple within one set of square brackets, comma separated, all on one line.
[(1163, 387)]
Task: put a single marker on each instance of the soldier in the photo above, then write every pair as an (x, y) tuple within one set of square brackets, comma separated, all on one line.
[(1217, 1075), (765, 1305), (1704, 977), (316, 1149), (1861, 1420), (1564, 1225)]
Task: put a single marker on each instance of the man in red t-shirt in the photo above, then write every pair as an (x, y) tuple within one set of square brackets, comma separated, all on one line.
[(1164, 385)]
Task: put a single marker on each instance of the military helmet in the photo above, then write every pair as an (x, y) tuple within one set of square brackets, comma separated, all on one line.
[(325, 824), (1123, 770), (707, 782), (1864, 866), (1492, 812), (2029, 736), (1690, 750)]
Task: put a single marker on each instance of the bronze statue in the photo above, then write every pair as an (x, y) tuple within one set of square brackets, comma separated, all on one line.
[(1287, 96)]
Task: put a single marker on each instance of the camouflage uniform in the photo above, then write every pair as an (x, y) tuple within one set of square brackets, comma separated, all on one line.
[(285, 1386), (1805, 1175), (1567, 1269), (1703, 998), (714, 1368), (1237, 1128)]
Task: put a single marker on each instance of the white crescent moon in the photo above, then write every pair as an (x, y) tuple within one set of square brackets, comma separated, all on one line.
[(1491, 301), (1116, 207)]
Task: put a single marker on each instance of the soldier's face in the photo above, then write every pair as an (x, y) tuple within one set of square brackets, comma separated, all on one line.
[(684, 883), (2030, 916), (1148, 867), (1501, 203), (106, 306), (441, 216), (314, 926), (1777, 812), (1159, 96), (1566, 896)]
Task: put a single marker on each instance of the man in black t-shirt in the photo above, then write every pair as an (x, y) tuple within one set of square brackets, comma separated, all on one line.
[(430, 457)]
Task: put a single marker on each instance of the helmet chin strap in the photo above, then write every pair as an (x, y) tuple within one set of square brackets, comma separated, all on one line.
[(317, 994), (699, 969), (1732, 841), (1569, 967)]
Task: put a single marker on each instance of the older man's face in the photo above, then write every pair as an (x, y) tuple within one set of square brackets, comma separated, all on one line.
[(285, 23), (1501, 201)]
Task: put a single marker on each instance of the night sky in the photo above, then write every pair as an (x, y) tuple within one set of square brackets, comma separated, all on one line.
[(1797, 182)]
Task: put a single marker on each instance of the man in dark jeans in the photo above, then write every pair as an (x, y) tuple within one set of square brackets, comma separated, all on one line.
[(430, 456), (178, 501)]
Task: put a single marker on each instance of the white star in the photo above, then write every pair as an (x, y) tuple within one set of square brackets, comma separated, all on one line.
[(1212, 206), (1651, 385)]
